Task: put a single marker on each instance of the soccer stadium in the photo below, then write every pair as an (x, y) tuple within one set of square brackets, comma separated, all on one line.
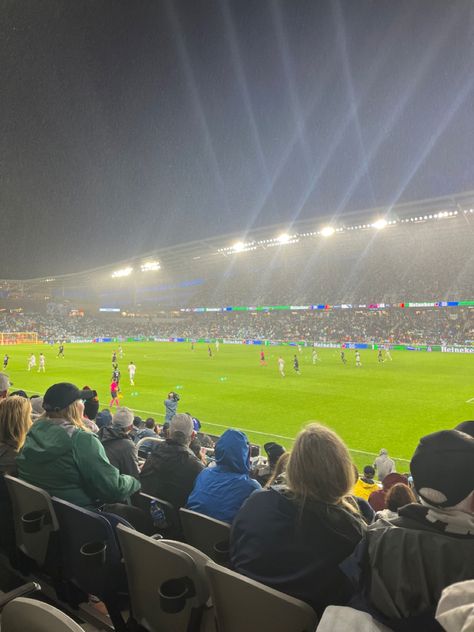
[(232, 420)]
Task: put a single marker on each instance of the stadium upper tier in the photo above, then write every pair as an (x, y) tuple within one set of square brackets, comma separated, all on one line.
[(418, 252)]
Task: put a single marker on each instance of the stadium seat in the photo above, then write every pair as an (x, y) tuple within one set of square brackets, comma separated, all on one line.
[(168, 590), (91, 555), (206, 534), (36, 525), (28, 615), (243, 604), (173, 528)]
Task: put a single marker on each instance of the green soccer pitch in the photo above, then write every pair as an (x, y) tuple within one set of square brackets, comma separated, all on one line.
[(378, 405)]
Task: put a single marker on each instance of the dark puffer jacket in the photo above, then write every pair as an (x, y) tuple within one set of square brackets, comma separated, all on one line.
[(120, 449)]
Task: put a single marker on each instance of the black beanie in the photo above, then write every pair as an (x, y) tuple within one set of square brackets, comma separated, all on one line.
[(467, 427), (444, 461), (274, 452)]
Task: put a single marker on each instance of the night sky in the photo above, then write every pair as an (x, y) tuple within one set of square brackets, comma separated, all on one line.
[(130, 125)]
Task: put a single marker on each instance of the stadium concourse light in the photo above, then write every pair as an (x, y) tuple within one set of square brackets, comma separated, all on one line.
[(124, 272), (238, 246), (327, 231), (150, 266), (380, 223), (284, 238)]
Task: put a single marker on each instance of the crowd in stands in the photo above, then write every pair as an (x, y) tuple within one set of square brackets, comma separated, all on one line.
[(303, 522), (396, 325)]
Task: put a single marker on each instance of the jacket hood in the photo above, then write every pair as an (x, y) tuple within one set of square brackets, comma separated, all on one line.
[(110, 433), (391, 479), (47, 440), (233, 452)]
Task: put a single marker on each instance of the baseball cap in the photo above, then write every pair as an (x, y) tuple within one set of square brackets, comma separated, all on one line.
[(60, 395), (182, 424), (123, 417), (443, 468), (4, 382)]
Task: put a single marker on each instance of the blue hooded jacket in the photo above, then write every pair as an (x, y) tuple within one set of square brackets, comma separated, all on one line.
[(220, 491)]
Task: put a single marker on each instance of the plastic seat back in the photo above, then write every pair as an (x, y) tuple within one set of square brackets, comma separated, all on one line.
[(90, 551), (34, 519), (243, 604), (168, 590), (206, 534), (24, 614)]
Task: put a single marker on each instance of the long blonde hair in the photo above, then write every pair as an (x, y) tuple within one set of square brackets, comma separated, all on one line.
[(71, 413), (320, 467), (15, 420)]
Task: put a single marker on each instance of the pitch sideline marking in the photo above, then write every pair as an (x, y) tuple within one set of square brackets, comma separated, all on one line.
[(470, 401)]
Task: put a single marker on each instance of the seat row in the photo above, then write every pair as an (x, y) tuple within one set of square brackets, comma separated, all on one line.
[(147, 582)]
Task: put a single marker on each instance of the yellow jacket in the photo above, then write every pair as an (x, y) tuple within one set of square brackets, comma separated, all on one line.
[(362, 489)]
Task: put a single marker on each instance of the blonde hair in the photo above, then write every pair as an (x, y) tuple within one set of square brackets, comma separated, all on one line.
[(15, 420), (71, 413), (320, 467)]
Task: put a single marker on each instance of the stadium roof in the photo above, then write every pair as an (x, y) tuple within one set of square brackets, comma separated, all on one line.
[(177, 257)]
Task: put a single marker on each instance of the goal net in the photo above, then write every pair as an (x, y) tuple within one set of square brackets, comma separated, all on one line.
[(18, 337)]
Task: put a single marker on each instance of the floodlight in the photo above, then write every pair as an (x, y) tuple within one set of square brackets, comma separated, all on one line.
[(124, 272), (238, 246), (284, 238), (380, 223), (327, 231), (150, 266)]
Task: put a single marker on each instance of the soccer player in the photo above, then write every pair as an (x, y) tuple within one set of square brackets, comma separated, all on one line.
[(380, 356), (131, 373), (388, 355), (315, 356), (209, 351), (217, 346), (120, 350), (114, 391), (114, 358), (296, 364), (192, 345), (42, 363), (358, 362), (5, 361), (281, 366), (31, 362), (61, 351), (262, 358), (116, 374), (299, 349), (343, 357)]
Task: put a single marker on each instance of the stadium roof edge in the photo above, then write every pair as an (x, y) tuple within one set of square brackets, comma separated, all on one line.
[(211, 244)]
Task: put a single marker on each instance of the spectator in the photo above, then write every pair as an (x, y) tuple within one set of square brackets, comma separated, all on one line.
[(36, 407), (104, 418), (365, 485), (384, 465), (64, 458), (171, 469), (4, 385), (398, 496), (148, 431), (15, 421), (171, 405), (430, 545), (220, 491), (91, 408), (278, 476), (293, 538), (274, 452), (377, 498), (118, 445)]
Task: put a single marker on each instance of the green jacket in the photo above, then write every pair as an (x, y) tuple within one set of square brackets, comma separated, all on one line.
[(71, 464)]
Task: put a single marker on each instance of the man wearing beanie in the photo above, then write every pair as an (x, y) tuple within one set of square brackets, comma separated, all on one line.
[(118, 445), (411, 559)]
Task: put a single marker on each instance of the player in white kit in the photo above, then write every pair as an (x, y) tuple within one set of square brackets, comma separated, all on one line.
[(281, 366), (131, 373), (31, 362), (42, 363), (358, 362), (315, 356)]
